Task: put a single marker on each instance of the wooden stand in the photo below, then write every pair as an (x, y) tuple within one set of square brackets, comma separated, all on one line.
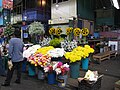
[(105, 55), (117, 85)]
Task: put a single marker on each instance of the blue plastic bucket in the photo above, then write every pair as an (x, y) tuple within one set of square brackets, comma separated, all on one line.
[(24, 66), (41, 74), (62, 80), (75, 70), (85, 63), (51, 78), (31, 70)]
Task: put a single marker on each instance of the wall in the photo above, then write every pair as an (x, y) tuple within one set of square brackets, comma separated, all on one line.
[(65, 11), (117, 17), (105, 21), (105, 17), (85, 9), (85, 14)]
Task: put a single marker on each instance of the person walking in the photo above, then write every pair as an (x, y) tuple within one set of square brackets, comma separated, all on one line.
[(15, 52)]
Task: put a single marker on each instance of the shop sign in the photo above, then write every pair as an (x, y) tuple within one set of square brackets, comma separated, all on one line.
[(17, 18), (7, 4), (58, 21), (30, 15)]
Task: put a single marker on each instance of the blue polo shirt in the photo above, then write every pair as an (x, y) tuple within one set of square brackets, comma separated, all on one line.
[(15, 49)]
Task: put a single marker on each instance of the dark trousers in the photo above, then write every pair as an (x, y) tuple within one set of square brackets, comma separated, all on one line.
[(16, 65), (2, 69)]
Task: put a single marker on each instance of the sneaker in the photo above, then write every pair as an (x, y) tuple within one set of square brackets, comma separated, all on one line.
[(5, 84), (17, 81)]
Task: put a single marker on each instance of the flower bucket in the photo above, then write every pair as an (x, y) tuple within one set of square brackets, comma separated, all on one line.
[(101, 50), (31, 70), (85, 63), (41, 74), (62, 80), (24, 66), (75, 70), (57, 59), (51, 78)]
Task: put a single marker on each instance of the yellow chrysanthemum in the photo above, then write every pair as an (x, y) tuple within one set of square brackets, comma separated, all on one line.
[(78, 53), (85, 32)]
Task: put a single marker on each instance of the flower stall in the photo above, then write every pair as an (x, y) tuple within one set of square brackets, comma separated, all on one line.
[(48, 55)]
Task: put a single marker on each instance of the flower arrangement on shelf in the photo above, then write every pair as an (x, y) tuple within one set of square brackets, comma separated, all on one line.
[(68, 45), (56, 42), (77, 31), (45, 42), (78, 53), (58, 31), (52, 32), (85, 33), (36, 28), (69, 31), (39, 59), (57, 52)]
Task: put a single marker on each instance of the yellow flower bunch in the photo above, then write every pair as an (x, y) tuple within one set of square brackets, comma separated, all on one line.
[(44, 50), (78, 53), (52, 31), (69, 30), (58, 31), (87, 50), (85, 32), (75, 55), (77, 31)]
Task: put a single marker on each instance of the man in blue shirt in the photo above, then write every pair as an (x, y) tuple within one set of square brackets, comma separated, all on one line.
[(15, 51)]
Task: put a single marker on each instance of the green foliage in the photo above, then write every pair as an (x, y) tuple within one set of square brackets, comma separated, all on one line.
[(9, 30), (56, 42)]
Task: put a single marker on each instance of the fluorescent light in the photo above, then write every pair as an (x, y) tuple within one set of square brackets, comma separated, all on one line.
[(115, 3), (57, 5)]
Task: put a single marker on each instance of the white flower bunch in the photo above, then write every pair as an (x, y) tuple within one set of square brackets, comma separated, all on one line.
[(31, 50), (69, 45), (57, 52), (45, 42)]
